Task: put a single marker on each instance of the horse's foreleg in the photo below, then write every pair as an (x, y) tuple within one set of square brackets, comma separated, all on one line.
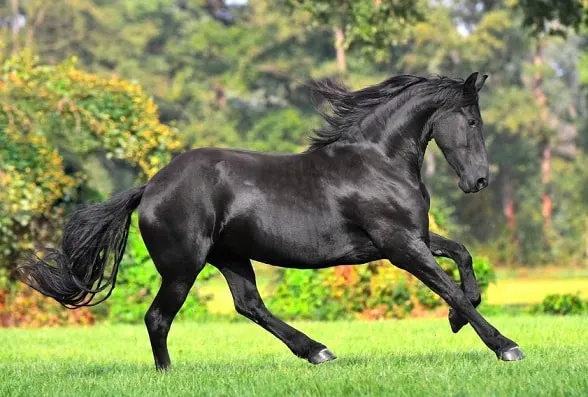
[(241, 279), (416, 258), (441, 246)]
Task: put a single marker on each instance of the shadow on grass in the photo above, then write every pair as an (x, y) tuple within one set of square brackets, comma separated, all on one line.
[(424, 359), (269, 363)]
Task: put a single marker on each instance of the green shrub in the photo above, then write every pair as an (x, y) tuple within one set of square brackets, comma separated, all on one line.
[(371, 291), (303, 294), (51, 112), (562, 304)]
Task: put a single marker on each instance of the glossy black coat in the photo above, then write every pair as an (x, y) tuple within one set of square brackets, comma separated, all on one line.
[(355, 196)]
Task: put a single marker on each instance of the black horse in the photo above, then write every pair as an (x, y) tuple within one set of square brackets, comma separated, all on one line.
[(356, 195)]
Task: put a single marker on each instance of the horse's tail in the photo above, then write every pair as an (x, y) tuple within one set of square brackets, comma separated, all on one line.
[(93, 238)]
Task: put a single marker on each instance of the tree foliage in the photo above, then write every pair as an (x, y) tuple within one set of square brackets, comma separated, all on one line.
[(553, 16), (48, 113), (370, 26), (241, 84), (75, 131)]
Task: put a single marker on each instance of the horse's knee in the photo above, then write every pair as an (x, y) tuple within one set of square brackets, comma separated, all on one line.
[(456, 299), (463, 255), (243, 310), (465, 261)]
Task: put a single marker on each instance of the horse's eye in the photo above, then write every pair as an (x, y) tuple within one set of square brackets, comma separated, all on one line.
[(473, 122)]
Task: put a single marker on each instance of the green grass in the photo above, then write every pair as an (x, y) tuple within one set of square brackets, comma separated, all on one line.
[(392, 358)]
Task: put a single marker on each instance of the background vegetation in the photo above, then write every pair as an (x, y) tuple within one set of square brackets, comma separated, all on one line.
[(97, 95)]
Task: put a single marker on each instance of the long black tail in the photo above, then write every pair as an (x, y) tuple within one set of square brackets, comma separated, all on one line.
[(93, 237)]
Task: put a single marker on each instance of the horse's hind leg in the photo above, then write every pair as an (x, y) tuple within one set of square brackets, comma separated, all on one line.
[(178, 260), (241, 279), (159, 317), (441, 246)]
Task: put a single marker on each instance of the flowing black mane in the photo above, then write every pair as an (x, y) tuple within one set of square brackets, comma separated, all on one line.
[(349, 107)]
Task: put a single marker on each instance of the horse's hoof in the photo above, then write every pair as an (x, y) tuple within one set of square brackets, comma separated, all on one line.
[(322, 357), (456, 321), (512, 354)]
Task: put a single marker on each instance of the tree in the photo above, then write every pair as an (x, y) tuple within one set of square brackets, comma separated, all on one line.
[(553, 16), (486, 36), (372, 26), (52, 113)]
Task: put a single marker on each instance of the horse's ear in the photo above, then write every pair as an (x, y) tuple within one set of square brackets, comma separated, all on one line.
[(480, 82), (469, 87)]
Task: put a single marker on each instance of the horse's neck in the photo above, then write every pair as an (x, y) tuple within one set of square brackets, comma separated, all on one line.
[(396, 129), (404, 133)]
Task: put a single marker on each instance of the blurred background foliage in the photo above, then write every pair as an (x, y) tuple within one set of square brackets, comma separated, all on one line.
[(97, 95)]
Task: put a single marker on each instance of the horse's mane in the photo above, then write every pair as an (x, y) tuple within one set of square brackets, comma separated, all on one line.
[(349, 107)]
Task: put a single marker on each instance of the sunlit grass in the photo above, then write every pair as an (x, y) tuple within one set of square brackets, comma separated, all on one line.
[(392, 358)]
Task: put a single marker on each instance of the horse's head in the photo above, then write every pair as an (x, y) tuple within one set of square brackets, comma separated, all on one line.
[(458, 132)]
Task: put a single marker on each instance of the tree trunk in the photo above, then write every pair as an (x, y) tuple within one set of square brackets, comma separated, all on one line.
[(32, 27), (586, 239), (14, 4), (220, 96), (550, 122), (509, 206), (546, 201), (340, 49)]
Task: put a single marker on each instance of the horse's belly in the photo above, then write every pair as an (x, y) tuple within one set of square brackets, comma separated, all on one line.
[(290, 244)]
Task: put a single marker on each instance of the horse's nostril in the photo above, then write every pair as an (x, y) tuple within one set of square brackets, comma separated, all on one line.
[(482, 183)]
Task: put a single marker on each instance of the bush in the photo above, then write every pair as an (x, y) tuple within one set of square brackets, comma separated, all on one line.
[(34, 190), (47, 112), (82, 112), (562, 304), (21, 306), (371, 291), (304, 294)]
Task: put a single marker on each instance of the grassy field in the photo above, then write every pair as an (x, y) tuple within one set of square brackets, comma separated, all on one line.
[(393, 358), (525, 291)]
